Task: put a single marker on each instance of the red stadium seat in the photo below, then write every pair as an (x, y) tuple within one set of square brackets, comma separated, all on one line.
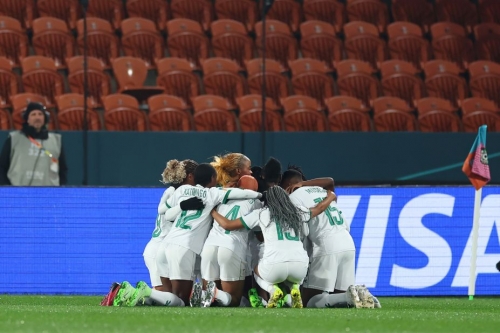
[(176, 76), (347, 114), (40, 76), (211, 113), (462, 12), (449, 42), (355, 79), (51, 38), (309, 77), (370, 11), (230, 40), (221, 78), (418, 12), (442, 80), (276, 82), (319, 42), (71, 114), (363, 43), (122, 114), (187, 40), (169, 113), (480, 111), (67, 10), (400, 79), (280, 44), (392, 114), (251, 114), (8, 82), (303, 113), (154, 10), (98, 81), (243, 11), (101, 40), (13, 40), (437, 115), (197, 10), (287, 11), (406, 43), (330, 11), (141, 39)]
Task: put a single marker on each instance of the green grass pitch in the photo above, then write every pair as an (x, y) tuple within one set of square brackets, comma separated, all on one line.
[(47, 314)]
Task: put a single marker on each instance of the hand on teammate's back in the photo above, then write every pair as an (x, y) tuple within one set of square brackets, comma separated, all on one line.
[(293, 187), (193, 203)]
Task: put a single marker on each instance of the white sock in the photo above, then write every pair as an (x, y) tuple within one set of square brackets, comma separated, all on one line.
[(203, 294), (223, 297), (245, 303), (269, 287), (329, 301), (288, 300), (264, 302), (166, 298)]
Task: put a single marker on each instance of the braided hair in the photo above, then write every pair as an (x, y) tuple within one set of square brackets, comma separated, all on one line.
[(282, 210)]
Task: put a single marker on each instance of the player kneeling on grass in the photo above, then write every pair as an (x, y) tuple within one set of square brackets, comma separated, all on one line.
[(186, 238), (331, 267), (284, 258), (224, 254)]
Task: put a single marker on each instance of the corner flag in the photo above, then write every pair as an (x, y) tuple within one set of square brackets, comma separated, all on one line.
[(476, 164)]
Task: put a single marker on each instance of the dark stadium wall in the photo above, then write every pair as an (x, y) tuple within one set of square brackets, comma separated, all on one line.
[(137, 159)]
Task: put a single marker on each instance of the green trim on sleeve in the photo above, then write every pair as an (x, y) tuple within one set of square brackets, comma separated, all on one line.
[(166, 204), (244, 224), (225, 200)]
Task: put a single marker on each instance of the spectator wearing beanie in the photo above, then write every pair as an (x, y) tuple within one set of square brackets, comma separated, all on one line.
[(33, 156)]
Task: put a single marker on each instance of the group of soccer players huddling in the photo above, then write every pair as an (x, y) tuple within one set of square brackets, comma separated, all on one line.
[(228, 234)]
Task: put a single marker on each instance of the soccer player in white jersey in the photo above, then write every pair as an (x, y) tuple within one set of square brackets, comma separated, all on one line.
[(282, 224), (176, 174), (224, 254), (332, 263), (187, 236)]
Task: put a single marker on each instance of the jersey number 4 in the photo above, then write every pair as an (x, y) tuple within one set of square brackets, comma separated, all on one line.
[(333, 214), (182, 221), (232, 215)]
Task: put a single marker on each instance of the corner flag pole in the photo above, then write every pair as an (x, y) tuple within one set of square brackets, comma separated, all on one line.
[(477, 170), (475, 234)]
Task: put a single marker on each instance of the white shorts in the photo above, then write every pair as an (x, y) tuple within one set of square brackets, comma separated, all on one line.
[(162, 262), (220, 263), (332, 271), (292, 271), (181, 262), (153, 272), (150, 260)]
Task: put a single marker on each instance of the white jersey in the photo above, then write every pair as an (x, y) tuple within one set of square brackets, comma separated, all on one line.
[(279, 245), (235, 240), (191, 227), (327, 231), (162, 227)]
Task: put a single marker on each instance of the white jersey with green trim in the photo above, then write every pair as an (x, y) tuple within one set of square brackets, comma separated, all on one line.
[(328, 232), (190, 228), (279, 245), (236, 240), (162, 226)]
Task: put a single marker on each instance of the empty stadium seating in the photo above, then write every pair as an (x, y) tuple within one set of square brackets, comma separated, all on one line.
[(350, 65)]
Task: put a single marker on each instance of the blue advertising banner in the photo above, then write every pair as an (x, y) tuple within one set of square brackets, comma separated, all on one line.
[(410, 241)]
